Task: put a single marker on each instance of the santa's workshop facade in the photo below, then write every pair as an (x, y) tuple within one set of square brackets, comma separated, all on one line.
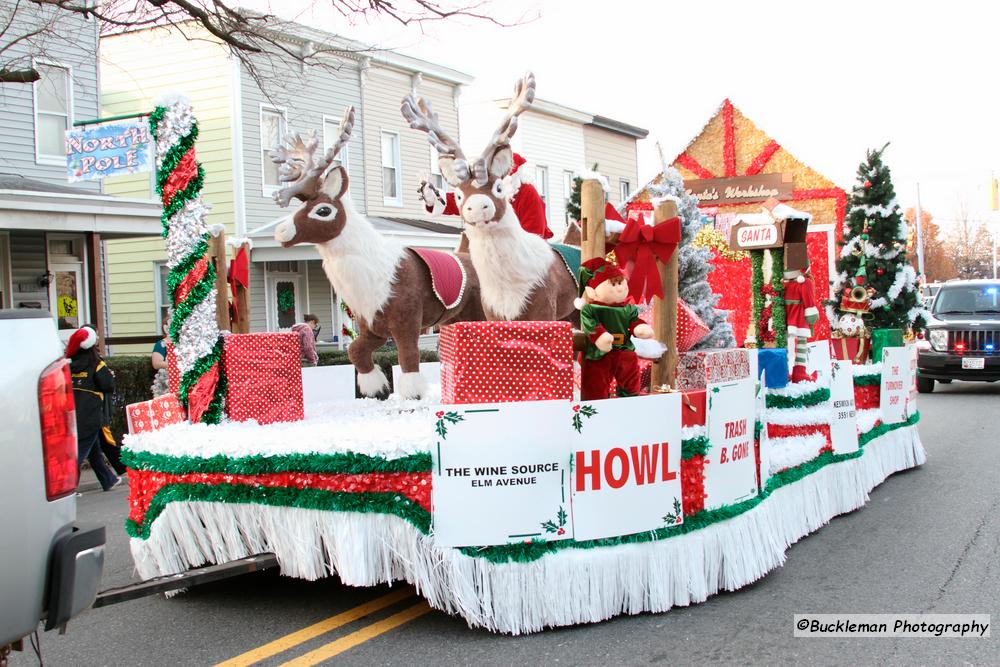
[(732, 167)]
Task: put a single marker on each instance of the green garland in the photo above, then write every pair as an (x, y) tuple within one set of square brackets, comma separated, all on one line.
[(182, 311), (391, 503), (693, 447), (347, 463), (867, 380), (804, 401), (778, 301), (756, 290), (213, 414)]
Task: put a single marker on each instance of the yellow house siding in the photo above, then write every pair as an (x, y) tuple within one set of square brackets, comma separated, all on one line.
[(615, 156), (382, 91), (136, 70)]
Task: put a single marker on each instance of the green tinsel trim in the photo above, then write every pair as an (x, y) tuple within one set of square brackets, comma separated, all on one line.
[(347, 463), (805, 400), (778, 300), (198, 293), (316, 499), (213, 413), (867, 380), (693, 447), (174, 154), (390, 503), (154, 119), (182, 197), (183, 267), (756, 289)]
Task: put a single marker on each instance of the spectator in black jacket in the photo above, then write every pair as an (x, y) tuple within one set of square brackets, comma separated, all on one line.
[(92, 381)]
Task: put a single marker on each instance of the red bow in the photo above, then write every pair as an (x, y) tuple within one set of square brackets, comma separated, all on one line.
[(239, 274), (639, 247)]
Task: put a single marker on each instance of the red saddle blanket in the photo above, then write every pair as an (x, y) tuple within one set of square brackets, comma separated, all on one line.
[(448, 278)]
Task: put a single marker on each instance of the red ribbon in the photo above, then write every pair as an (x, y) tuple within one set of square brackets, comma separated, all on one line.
[(201, 394), (639, 247), (186, 169), (239, 274)]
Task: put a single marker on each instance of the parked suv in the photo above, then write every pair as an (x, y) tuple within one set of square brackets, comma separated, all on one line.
[(963, 335), (50, 566)]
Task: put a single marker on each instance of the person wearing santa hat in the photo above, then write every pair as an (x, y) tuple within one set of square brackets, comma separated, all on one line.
[(609, 322), (92, 381), (525, 200)]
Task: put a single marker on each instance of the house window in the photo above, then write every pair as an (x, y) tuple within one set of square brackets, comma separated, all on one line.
[(282, 267), (272, 129), (624, 189), (330, 134), (437, 179), (5, 274), (542, 185), (392, 185), (52, 113), (163, 300)]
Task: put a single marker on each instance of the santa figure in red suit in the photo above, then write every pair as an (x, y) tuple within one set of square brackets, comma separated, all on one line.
[(527, 203)]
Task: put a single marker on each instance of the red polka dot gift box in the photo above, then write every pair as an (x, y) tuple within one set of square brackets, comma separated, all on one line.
[(173, 372), (264, 377), (155, 414), (498, 362), (696, 369)]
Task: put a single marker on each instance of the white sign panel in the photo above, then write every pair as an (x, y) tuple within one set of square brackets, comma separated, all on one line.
[(757, 236), (765, 442), (626, 465), (501, 473), (844, 425), (323, 384), (819, 361), (911, 403), (731, 472), (896, 383)]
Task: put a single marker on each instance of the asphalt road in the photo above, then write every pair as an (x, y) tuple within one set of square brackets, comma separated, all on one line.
[(928, 541)]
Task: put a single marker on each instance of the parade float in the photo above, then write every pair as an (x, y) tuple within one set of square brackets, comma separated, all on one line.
[(494, 489)]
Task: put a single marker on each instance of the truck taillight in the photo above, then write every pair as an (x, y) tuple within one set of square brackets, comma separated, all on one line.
[(58, 420)]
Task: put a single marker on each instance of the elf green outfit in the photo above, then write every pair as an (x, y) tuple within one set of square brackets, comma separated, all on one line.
[(620, 363)]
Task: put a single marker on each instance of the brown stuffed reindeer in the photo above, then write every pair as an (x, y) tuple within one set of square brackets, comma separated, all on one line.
[(521, 276), (393, 291)]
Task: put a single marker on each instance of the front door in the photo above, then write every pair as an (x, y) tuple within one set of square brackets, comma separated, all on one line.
[(284, 301), (66, 297)]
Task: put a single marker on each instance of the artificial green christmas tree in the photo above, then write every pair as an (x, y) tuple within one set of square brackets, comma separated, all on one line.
[(573, 203), (873, 253)]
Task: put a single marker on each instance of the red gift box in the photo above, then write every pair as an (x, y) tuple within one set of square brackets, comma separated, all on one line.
[(851, 348), (690, 328), (264, 377), (155, 414), (697, 369), (499, 362), (173, 372)]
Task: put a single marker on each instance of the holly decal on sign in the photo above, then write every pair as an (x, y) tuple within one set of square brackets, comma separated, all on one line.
[(559, 525), (584, 410), (676, 516), (445, 418)]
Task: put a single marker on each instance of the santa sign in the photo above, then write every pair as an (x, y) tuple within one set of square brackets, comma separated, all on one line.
[(757, 236)]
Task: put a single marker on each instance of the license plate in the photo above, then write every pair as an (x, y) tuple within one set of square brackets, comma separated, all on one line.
[(973, 363)]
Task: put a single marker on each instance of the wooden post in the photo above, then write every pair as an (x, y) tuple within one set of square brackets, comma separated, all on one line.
[(242, 300), (664, 369), (591, 219), (217, 253), (95, 288)]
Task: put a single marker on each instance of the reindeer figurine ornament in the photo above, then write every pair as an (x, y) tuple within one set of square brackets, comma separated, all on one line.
[(521, 276), (393, 291)]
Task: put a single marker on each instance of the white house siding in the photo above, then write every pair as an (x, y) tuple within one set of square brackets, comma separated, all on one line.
[(75, 47), (557, 144), (383, 90), (615, 155)]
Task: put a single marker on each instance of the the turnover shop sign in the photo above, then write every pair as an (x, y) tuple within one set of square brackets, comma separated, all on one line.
[(626, 466), (731, 473), (501, 473), (896, 381), (106, 150)]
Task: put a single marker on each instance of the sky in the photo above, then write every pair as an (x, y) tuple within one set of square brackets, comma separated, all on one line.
[(827, 81)]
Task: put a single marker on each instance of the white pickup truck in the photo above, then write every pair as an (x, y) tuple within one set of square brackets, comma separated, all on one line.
[(50, 567)]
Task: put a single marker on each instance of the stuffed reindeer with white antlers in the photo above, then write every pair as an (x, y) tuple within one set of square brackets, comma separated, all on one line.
[(393, 291), (521, 276)]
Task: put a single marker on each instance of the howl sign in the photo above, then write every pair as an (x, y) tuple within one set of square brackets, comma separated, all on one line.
[(626, 466), (108, 150)]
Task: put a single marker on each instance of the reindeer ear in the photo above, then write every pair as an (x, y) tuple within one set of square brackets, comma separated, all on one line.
[(335, 183), (501, 161)]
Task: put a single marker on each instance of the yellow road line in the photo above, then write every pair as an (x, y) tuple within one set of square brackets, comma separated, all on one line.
[(317, 629), (346, 642)]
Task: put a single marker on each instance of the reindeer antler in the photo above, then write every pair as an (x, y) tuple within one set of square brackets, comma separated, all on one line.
[(419, 113), (297, 165), (520, 101)]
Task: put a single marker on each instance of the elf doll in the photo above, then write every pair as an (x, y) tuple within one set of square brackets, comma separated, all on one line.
[(801, 314), (610, 323)]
